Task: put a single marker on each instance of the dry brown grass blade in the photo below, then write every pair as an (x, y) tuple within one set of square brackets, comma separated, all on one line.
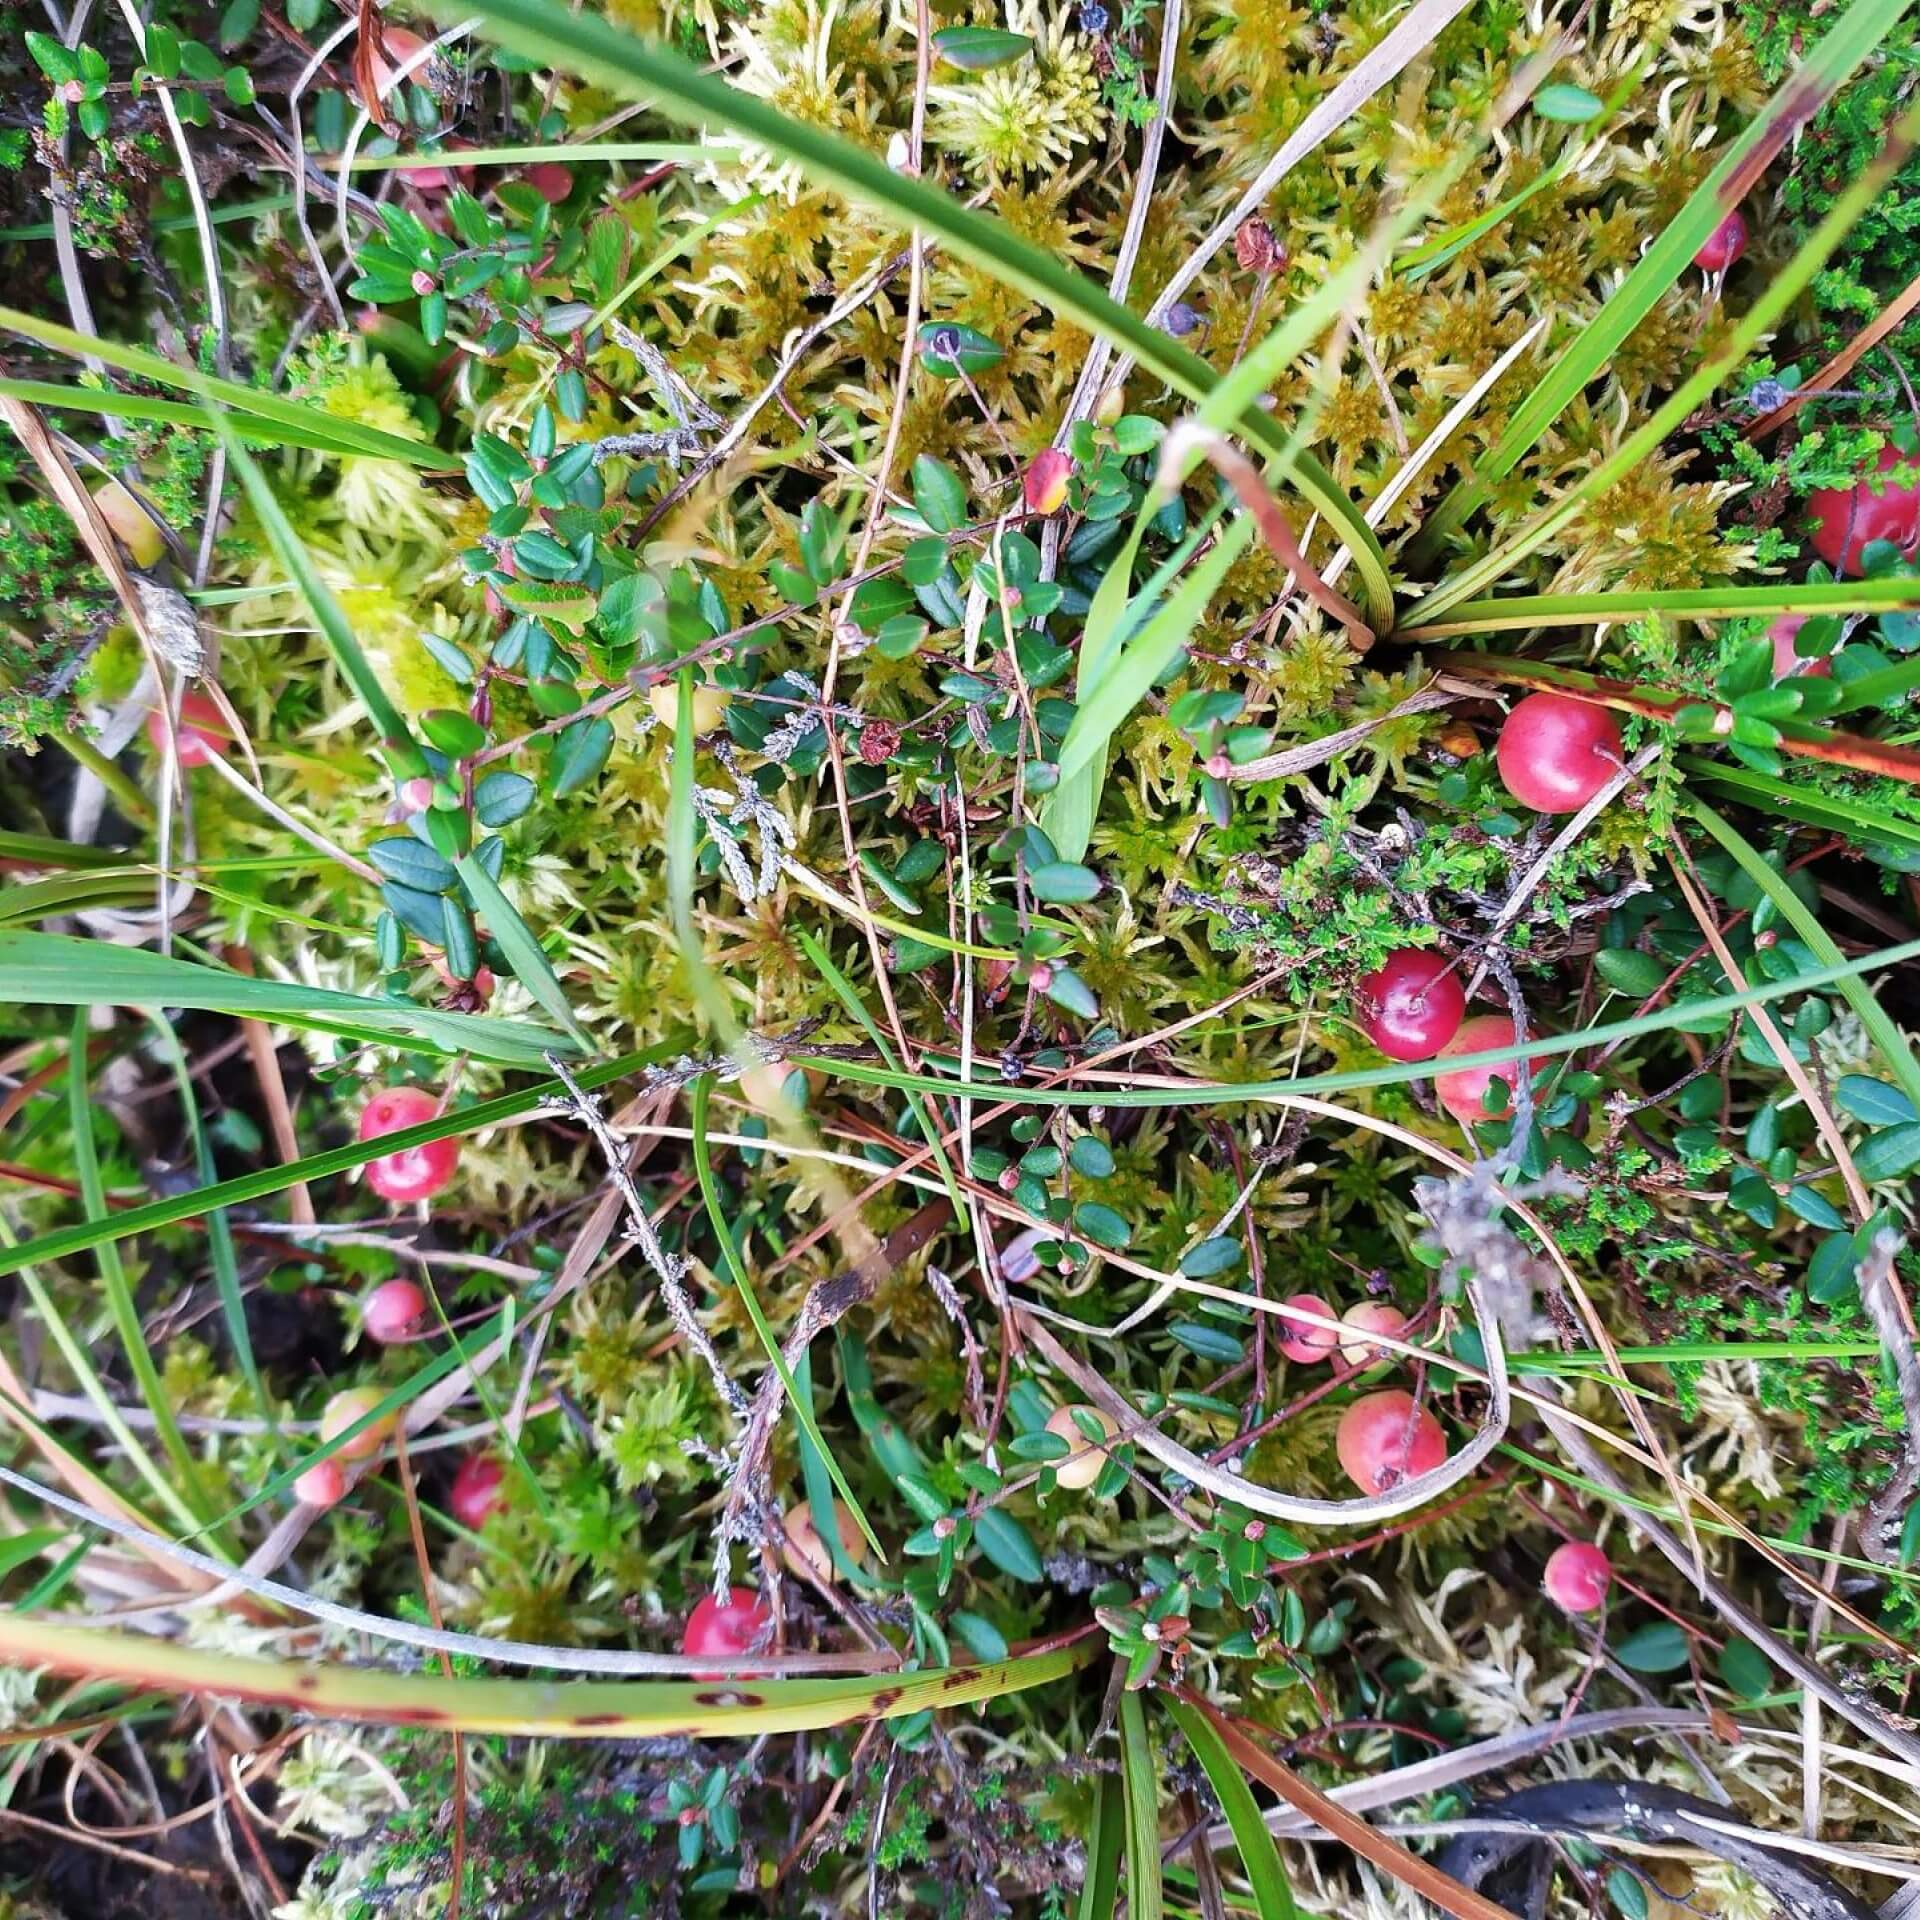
[(1417, 1875), (264, 1058)]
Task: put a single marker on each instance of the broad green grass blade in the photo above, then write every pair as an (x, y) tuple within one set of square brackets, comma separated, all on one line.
[(226, 1266), (798, 1398), (1272, 1896), (1768, 309), (314, 431), (396, 737), (1317, 1085), (1839, 813), (1519, 612), (1100, 1892), (1854, 33), (43, 850), (1146, 1891), (538, 1709), (117, 1288), (245, 1187), (69, 892), (525, 955), (642, 70), (1880, 1025), (1125, 682), (347, 436), (57, 970)]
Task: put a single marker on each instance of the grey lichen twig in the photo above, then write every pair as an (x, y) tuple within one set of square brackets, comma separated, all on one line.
[(1886, 1513), (669, 1268)]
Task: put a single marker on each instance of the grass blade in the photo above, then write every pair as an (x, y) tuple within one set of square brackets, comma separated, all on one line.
[(1100, 1892), (525, 955), (1146, 1891), (798, 1397), (639, 69), (347, 436), (1839, 813), (538, 1709), (1854, 34), (1272, 1896), (1519, 612), (1768, 309), (115, 1285), (1880, 1024), (1391, 1074), (226, 1267), (244, 1187), (58, 970)]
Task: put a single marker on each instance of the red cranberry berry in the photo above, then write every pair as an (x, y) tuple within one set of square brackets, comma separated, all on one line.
[(411, 1173), (394, 1310), (1724, 245), (725, 1629), (1556, 753), (1411, 1005), (323, 1484), (1307, 1344), (476, 1491), (1578, 1576), (1845, 519), (1385, 1439), (1463, 1091)]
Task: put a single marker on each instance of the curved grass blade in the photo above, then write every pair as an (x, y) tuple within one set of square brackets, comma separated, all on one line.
[(1880, 1024), (679, 90), (585, 1710), (347, 436), (1854, 34), (1839, 813), (58, 970), (1146, 1890), (1272, 1896), (244, 1187)]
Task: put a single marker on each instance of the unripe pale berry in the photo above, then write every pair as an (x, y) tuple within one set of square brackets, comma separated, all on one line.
[(1845, 519), (1411, 1004), (394, 1310), (1724, 245), (709, 704), (412, 1173), (201, 733), (322, 1485), (1082, 1466), (1298, 1341), (1578, 1576), (724, 1629), (343, 1410), (133, 526), (805, 1552), (1370, 1316), (1556, 753), (1385, 1439), (1463, 1090), (476, 1491)]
